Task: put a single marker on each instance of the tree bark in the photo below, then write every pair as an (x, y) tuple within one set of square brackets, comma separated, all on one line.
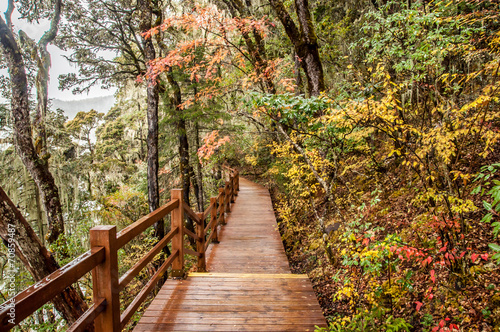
[(42, 82), (36, 258), (199, 173), (298, 76), (180, 123), (152, 115), (304, 41), (37, 166)]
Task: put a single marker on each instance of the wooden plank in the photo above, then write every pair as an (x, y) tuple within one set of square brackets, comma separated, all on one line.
[(196, 314), (238, 276), (229, 308), (229, 320), (232, 328), (236, 298)]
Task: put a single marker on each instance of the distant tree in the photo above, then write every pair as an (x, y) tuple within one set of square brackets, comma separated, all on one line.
[(81, 128), (87, 35)]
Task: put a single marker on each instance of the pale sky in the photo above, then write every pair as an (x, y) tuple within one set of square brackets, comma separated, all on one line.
[(59, 63)]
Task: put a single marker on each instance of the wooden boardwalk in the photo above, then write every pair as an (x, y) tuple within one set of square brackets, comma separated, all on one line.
[(249, 286)]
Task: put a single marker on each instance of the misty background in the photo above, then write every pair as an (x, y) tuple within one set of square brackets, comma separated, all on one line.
[(99, 99)]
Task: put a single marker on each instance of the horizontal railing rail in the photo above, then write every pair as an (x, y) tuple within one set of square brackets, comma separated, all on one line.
[(102, 261), (35, 296)]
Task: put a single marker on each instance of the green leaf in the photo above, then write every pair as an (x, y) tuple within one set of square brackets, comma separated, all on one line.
[(487, 218), (487, 206), (476, 190), (494, 247), (496, 228)]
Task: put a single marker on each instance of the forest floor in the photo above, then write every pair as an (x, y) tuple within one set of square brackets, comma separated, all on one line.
[(477, 301)]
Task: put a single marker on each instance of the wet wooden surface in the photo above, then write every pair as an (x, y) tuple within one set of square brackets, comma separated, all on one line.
[(249, 286)]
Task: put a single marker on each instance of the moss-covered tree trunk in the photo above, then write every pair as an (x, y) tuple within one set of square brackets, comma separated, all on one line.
[(146, 12), (38, 167), (304, 41), (35, 257)]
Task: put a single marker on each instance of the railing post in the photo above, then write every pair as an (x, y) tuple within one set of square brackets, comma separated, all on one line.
[(231, 184), (177, 220), (222, 202), (200, 244), (105, 279), (237, 183), (213, 219), (227, 197)]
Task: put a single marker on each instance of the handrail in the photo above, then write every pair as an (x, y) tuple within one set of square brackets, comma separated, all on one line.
[(89, 316), (136, 228), (102, 260), (46, 289)]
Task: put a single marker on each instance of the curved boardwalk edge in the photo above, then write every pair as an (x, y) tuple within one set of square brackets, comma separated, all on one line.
[(249, 286)]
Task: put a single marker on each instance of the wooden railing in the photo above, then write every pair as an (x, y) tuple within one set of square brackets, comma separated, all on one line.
[(102, 260)]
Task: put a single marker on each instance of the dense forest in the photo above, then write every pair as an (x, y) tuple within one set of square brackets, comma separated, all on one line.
[(375, 125)]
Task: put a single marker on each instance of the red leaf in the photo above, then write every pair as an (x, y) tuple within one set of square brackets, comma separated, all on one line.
[(454, 327), (473, 257), (441, 323), (484, 256), (419, 305), (433, 278)]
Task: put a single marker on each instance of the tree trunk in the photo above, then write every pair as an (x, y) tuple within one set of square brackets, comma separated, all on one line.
[(39, 215), (199, 174), (184, 166), (180, 124), (152, 115), (298, 76), (304, 41), (36, 258), (42, 82), (37, 166)]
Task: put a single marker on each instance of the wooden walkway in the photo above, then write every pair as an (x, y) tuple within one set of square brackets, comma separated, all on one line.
[(249, 286)]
